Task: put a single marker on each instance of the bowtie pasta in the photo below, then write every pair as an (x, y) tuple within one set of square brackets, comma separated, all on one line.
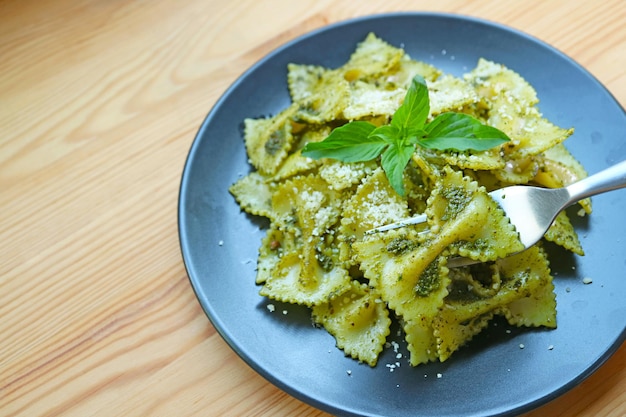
[(316, 252)]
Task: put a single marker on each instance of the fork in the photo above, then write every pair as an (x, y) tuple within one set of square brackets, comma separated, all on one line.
[(533, 209)]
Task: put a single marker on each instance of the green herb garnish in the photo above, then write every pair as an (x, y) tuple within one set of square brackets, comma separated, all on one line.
[(362, 141)]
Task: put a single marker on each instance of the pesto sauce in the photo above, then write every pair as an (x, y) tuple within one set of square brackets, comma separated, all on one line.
[(275, 142), (325, 262), (458, 199), (429, 281), (401, 245), (477, 245)]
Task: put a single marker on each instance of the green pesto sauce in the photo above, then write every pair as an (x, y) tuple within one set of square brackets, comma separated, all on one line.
[(275, 142), (478, 245), (458, 199), (325, 261), (428, 282), (401, 245), (308, 110)]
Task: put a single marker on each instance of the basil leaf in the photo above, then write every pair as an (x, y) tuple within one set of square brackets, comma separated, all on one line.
[(461, 132), (349, 143), (362, 141), (415, 136), (394, 161), (388, 133), (413, 112)]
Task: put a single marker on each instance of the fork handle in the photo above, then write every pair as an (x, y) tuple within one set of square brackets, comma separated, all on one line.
[(609, 179)]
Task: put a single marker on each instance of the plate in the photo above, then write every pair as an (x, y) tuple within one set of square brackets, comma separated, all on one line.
[(503, 371)]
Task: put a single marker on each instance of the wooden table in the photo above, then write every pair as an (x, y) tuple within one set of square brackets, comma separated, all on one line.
[(99, 104)]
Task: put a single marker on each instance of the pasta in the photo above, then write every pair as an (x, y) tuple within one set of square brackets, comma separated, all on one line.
[(316, 252)]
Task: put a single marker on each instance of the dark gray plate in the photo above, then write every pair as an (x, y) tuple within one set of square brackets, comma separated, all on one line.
[(490, 376)]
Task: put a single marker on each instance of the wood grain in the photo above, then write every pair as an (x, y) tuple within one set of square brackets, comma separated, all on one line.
[(99, 104)]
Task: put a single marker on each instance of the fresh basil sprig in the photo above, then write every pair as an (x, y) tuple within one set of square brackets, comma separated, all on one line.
[(362, 141)]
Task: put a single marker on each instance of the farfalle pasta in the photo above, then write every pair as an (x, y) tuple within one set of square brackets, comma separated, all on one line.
[(316, 251)]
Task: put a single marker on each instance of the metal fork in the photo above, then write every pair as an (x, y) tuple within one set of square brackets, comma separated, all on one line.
[(533, 209)]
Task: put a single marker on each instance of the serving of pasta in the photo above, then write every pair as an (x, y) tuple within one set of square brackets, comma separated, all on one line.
[(316, 251)]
